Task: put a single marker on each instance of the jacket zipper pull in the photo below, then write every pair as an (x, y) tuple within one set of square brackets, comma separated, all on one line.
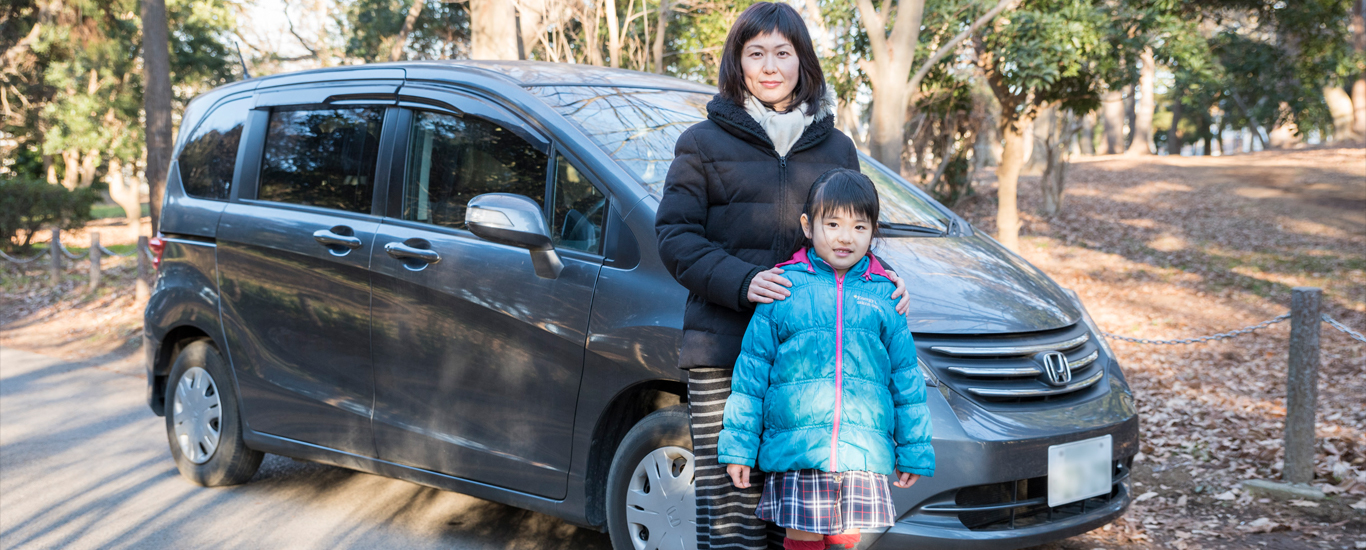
[(782, 161)]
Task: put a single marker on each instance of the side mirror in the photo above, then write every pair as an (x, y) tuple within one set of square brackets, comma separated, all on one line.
[(515, 220)]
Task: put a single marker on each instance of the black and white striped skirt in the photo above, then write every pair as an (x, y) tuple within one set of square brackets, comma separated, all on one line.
[(726, 517)]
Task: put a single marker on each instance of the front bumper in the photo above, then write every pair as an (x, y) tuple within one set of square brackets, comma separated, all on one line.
[(948, 533), (990, 486)]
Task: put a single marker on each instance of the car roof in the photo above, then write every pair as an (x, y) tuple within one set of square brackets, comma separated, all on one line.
[(519, 73)]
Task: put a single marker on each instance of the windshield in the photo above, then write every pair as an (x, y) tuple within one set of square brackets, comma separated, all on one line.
[(638, 127)]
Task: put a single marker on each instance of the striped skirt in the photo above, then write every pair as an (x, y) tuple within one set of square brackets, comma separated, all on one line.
[(725, 514)]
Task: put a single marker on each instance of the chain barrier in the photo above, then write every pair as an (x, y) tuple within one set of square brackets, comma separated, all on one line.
[(1335, 324), (23, 261), (1236, 333), (71, 256), (1220, 336), (104, 250)]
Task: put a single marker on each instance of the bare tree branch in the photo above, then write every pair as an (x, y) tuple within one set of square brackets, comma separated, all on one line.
[(949, 46)]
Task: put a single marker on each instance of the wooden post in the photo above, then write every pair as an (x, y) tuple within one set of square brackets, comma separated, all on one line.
[(1302, 382), (55, 250), (94, 260), (143, 292)]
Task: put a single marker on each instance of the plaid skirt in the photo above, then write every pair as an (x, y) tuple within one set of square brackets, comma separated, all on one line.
[(821, 502)]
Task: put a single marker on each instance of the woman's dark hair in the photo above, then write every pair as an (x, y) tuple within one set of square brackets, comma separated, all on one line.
[(841, 190), (765, 18)]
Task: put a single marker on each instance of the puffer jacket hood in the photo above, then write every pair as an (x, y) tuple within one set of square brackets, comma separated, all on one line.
[(827, 379)]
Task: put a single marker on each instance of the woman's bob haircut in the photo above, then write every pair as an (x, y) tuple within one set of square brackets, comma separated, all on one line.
[(764, 18)]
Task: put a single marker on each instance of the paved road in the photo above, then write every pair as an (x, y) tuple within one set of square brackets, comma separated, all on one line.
[(84, 464)]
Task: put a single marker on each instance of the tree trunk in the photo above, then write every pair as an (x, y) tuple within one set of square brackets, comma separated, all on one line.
[(124, 190), (1142, 129), (1284, 135), (71, 162), (396, 49), (1174, 133), (661, 25), (1086, 140), (892, 57), (1112, 111), (1340, 107), (613, 34), (50, 169), (492, 30), (592, 16), (156, 101), (1008, 178), (1128, 119), (89, 165), (1359, 87)]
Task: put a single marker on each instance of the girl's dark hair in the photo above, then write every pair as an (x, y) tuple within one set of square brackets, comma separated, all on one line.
[(764, 18), (841, 189)]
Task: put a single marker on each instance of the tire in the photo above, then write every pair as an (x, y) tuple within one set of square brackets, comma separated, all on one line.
[(651, 498), (201, 403)]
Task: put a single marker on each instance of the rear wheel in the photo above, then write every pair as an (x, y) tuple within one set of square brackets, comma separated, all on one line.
[(651, 498), (202, 421)]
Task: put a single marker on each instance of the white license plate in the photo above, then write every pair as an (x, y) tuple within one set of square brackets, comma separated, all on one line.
[(1078, 470)]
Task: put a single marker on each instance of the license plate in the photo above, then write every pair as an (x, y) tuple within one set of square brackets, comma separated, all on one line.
[(1078, 470)]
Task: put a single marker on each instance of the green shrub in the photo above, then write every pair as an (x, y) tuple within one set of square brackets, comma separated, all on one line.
[(30, 206)]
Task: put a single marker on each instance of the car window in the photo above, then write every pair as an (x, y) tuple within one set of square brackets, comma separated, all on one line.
[(638, 128), (210, 155), (578, 209), (453, 159), (321, 157)]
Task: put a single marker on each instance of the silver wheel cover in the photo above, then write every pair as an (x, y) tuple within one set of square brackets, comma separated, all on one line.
[(661, 501), (197, 415)]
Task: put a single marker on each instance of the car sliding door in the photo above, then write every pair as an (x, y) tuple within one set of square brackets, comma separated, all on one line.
[(294, 258), (477, 359)]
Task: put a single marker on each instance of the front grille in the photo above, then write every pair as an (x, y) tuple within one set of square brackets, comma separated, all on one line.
[(1008, 369), (1021, 503)]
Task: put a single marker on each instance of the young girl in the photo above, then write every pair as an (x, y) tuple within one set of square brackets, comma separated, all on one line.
[(826, 392)]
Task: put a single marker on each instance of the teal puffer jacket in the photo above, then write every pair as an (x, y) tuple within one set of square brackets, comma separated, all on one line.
[(827, 379)]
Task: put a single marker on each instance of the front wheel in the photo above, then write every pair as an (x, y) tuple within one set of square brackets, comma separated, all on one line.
[(651, 498), (202, 420)]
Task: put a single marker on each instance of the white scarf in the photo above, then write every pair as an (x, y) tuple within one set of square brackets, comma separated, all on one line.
[(784, 129)]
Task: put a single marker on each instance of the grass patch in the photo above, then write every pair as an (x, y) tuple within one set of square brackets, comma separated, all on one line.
[(102, 211)]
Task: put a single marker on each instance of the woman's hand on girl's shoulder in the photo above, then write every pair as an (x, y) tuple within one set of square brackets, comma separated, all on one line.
[(905, 480), (904, 304), (739, 475), (768, 286)]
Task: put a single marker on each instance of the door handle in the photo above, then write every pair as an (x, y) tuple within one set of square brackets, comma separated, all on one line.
[(400, 251), (330, 239)]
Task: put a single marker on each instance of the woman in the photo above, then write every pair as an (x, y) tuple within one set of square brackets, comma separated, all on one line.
[(729, 213)]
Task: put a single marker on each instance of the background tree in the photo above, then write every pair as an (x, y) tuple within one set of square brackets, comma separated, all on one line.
[(1045, 54)]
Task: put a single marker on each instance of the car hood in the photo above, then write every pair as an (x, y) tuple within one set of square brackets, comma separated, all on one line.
[(973, 285)]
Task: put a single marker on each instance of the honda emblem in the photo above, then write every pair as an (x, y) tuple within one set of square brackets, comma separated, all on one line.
[(1056, 367)]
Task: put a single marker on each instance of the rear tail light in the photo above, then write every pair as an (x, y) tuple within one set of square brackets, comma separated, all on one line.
[(157, 245)]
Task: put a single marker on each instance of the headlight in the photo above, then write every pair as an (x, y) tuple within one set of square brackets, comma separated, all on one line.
[(930, 378)]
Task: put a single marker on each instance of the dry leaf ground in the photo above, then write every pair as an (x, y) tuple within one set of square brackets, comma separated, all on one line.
[(1179, 247), (1157, 247)]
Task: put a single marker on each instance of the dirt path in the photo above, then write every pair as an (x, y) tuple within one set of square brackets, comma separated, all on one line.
[(1157, 247)]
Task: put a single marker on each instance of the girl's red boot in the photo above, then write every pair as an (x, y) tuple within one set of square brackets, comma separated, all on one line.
[(847, 540), (790, 544)]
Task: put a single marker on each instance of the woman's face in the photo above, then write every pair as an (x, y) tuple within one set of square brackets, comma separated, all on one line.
[(771, 69)]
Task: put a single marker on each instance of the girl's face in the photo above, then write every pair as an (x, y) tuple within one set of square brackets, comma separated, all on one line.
[(841, 238), (771, 69)]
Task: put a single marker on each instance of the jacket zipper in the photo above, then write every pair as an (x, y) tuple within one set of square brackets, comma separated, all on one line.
[(839, 369)]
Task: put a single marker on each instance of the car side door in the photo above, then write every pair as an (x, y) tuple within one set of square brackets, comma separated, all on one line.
[(293, 256), (477, 358)]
